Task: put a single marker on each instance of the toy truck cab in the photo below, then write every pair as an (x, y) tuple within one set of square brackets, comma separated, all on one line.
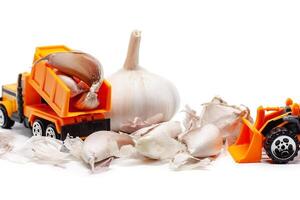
[(42, 102)]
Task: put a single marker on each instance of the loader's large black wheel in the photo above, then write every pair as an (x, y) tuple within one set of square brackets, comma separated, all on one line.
[(281, 145), (5, 121)]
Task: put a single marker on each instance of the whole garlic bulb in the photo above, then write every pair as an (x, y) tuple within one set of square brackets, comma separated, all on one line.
[(137, 93)]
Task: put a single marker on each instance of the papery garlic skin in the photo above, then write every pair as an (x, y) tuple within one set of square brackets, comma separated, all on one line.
[(6, 143), (158, 147), (185, 161), (139, 93), (159, 141), (74, 146), (44, 150)]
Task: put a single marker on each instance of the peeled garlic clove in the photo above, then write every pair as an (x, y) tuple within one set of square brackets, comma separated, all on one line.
[(204, 141), (102, 145), (158, 142), (139, 93)]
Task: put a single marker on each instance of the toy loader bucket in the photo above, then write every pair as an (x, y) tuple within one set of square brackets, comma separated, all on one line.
[(248, 147)]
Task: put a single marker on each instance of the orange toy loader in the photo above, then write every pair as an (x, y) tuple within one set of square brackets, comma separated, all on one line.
[(41, 101), (276, 129)]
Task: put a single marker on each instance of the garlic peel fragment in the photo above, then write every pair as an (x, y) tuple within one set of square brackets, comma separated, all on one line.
[(138, 123), (184, 161), (6, 143), (159, 141), (159, 148), (44, 150)]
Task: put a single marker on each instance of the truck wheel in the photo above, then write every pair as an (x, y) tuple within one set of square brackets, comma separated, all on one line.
[(26, 123), (281, 145), (38, 128), (5, 121), (51, 131)]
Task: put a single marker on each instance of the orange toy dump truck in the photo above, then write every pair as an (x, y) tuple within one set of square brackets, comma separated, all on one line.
[(276, 129), (41, 101)]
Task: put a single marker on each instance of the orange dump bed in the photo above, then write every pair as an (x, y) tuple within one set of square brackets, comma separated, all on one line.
[(55, 92)]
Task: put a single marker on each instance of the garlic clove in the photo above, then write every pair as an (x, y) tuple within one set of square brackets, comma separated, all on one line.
[(100, 146), (78, 64), (204, 141), (72, 85)]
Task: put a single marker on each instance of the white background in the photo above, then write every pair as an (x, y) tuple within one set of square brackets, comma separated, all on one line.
[(245, 51)]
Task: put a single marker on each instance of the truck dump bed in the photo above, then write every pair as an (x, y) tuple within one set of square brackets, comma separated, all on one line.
[(55, 92)]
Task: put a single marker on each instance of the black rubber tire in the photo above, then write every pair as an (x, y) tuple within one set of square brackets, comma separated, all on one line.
[(42, 124), (26, 123), (8, 123), (57, 136), (278, 155)]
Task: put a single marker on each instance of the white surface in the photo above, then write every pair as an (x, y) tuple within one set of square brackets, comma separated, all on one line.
[(245, 51)]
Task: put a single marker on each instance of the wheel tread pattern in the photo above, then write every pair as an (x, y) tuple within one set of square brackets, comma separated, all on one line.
[(274, 133)]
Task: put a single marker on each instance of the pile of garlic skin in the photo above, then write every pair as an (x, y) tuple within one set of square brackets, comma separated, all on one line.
[(143, 105), (187, 144)]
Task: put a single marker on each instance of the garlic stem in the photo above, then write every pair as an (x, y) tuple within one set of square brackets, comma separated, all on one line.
[(132, 59)]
